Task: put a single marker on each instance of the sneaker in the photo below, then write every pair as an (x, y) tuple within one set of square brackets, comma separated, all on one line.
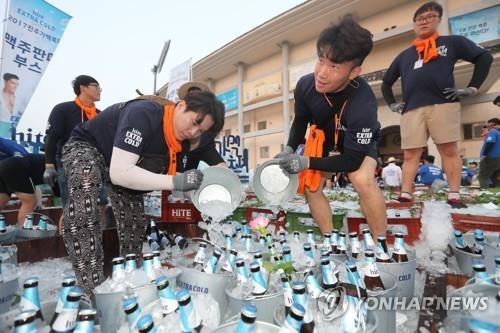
[(456, 203)]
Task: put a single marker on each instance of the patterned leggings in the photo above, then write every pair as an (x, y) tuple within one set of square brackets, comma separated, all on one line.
[(86, 173)]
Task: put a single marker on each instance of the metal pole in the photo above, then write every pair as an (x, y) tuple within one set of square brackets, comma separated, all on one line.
[(286, 87)]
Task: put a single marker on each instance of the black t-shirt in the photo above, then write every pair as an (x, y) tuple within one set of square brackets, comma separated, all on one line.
[(359, 125), (424, 85), (63, 118), (137, 127), (205, 152)]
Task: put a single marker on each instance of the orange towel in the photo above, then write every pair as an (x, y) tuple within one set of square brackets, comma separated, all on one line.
[(426, 48), (313, 148), (174, 146)]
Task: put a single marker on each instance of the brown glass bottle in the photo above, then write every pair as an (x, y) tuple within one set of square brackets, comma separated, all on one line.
[(372, 276), (399, 251), (382, 252)]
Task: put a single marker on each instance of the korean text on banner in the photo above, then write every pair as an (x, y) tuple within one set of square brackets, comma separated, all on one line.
[(33, 30)]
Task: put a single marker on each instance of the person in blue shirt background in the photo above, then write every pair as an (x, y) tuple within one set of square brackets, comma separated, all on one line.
[(490, 155), (428, 172), (9, 148), (467, 176)]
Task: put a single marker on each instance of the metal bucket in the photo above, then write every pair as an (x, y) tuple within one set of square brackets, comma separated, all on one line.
[(109, 306), (265, 305), (404, 273), (219, 183), (490, 251), (386, 318), (272, 186), (9, 254), (9, 235), (371, 325), (8, 292), (260, 327), (23, 234), (464, 259), (214, 284)]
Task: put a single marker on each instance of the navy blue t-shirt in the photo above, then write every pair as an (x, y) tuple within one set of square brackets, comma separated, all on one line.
[(424, 85), (137, 127), (359, 125)]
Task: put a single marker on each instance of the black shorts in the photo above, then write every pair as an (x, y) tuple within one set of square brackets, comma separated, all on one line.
[(15, 177)]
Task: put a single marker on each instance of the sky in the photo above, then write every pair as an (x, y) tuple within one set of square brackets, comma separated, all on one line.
[(118, 42)]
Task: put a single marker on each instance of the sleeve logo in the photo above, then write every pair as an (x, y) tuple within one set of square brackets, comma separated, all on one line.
[(365, 136), (133, 138)]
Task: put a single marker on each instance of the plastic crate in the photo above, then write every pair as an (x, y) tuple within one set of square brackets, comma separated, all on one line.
[(178, 212), (466, 222), (303, 221), (410, 227), (239, 214)]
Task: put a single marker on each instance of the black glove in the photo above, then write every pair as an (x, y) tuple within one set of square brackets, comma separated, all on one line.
[(287, 151), (454, 93), (293, 163), (187, 181), (49, 175), (397, 107)]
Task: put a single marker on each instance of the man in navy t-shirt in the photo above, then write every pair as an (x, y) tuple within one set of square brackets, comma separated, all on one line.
[(489, 166), (431, 104), (341, 111), (428, 172)]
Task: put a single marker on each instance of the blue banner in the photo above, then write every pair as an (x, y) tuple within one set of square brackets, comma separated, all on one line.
[(33, 30), (481, 26), (229, 98)]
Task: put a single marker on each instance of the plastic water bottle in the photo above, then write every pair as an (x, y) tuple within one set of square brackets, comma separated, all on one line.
[(28, 222), (42, 223), (67, 284), (259, 281), (132, 311), (309, 255), (211, 265), (241, 271), (130, 262), (372, 274), (382, 252), (246, 324), (118, 272), (167, 296), (85, 322), (300, 297), (65, 320), (24, 322), (190, 321), (30, 300), (294, 320), (146, 324)]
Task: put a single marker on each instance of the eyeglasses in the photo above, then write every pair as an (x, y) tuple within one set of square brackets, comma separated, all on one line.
[(428, 18), (95, 85)]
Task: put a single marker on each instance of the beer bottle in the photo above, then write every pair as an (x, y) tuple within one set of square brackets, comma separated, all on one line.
[(42, 223), (247, 242), (480, 273), (67, 284), (85, 322), (372, 275), (355, 244), (244, 228), (269, 238), (211, 265), (241, 271), (497, 270), (152, 231), (313, 288), (327, 273), (342, 244), (229, 262), (310, 236), (294, 320), (262, 240), (296, 236), (166, 294), (287, 292), (28, 222), (246, 324), (153, 244), (130, 262), (399, 251), (3, 225), (229, 241), (300, 297), (30, 300), (309, 254), (259, 281), (25, 322), (335, 240), (190, 321), (201, 254), (382, 252), (327, 240), (478, 241), (132, 311), (460, 242), (282, 235), (179, 240), (146, 324), (368, 240), (156, 260), (354, 317), (353, 277), (287, 253), (257, 256), (147, 266), (65, 320)]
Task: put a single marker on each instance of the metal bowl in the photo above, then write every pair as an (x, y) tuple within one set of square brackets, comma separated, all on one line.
[(272, 185)]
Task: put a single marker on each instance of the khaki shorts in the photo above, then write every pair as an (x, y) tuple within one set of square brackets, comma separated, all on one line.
[(440, 121)]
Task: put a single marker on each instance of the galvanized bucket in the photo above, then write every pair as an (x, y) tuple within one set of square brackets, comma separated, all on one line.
[(9, 235), (490, 251), (265, 305), (335, 326), (219, 183), (404, 273), (214, 284), (273, 186), (8, 291), (25, 234), (109, 306), (8, 254), (260, 327), (386, 318), (464, 259)]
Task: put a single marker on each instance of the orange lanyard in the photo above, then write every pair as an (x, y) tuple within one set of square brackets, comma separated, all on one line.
[(337, 122)]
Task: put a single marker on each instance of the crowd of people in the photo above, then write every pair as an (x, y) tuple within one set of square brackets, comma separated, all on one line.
[(150, 143)]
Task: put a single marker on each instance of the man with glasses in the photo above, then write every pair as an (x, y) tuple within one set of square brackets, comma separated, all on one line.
[(489, 165), (431, 102), (341, 109), (62, 119)]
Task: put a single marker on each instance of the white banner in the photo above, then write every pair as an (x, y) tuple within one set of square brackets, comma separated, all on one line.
[(33, 30), (178, 76)]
